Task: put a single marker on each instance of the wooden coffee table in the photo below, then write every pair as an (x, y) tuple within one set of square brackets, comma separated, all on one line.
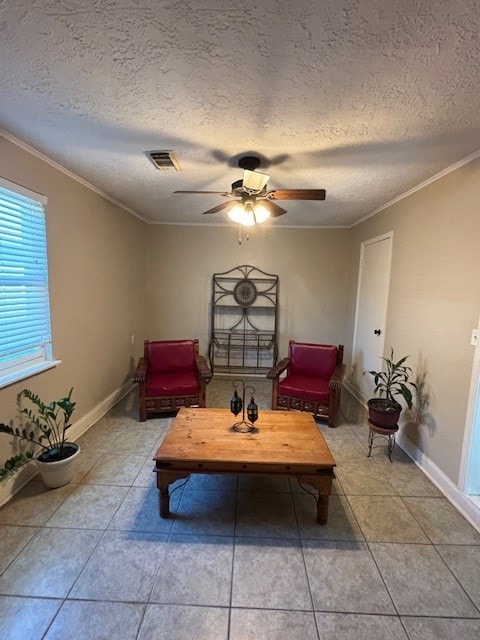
[(284, 443)]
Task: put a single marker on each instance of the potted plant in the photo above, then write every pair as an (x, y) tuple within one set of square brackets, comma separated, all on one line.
[(44, 427), (384, 411)]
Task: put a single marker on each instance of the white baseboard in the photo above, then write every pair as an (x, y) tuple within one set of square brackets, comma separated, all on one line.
[(354, 392), (9, 487), (468, 507), (94, 415)]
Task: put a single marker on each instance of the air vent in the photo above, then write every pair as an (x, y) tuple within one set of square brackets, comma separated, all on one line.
[(164, 160)]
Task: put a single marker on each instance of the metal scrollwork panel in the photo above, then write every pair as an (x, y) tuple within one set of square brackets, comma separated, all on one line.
[(245, 293), (244, 320)]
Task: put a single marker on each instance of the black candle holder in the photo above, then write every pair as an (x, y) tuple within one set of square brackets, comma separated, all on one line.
[(237, 404)]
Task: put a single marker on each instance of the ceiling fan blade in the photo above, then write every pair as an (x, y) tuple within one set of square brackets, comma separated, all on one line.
[(218, 193), (224, 207), (274, 209), (296, 194)]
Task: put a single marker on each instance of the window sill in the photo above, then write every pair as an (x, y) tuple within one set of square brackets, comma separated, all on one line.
[(7, 380)]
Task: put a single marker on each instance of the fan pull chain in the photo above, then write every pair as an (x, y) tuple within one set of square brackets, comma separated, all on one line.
[(240, 234)]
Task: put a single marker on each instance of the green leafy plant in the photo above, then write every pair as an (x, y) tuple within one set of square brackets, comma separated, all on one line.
[(41, 425), (394, 381)]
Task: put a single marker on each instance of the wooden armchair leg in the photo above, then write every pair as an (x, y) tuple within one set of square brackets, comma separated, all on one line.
[(142, 405), (333, 406), (202, 400), (274, 393)]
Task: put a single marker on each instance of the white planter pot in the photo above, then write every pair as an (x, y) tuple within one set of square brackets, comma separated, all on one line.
[(56, 474)]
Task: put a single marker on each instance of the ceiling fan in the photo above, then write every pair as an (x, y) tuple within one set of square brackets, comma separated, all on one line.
[(249, 200)]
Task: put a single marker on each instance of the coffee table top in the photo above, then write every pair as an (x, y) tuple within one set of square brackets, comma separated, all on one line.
[(199, 436)]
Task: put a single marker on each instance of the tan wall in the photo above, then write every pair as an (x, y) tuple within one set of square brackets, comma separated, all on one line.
[(311, 265), (434, 301), (98, 276), (97, 273)]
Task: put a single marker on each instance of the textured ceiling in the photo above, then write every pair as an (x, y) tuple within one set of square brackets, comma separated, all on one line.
[(365, 98)]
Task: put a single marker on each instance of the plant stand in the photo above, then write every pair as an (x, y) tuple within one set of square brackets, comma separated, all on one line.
[(378, 432)]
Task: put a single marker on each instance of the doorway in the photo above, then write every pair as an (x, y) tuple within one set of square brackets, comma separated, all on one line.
[(371, 311), (470, 465)]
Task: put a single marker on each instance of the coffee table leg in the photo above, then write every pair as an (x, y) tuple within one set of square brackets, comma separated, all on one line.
[(323, 484), (322, 509), (164, 502), (164, 480)]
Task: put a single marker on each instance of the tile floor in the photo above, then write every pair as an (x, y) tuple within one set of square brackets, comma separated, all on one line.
[(242, 558)]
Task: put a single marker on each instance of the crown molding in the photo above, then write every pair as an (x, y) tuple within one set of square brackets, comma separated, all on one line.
[(387, 205), (67, 172), (420, 186), (229, 225)]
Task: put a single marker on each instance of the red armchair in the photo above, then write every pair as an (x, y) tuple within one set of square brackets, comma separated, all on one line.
[(313, 381), (170, 375)]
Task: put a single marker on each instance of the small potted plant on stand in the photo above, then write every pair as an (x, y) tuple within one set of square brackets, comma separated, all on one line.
[(384, 411), (44, 427)]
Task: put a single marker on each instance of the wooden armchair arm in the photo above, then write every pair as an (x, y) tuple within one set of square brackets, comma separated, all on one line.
[(278, 369), (141, 371), (203, 369), (337, 377)]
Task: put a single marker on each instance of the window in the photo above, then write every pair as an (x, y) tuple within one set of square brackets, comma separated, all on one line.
[(25, 333)]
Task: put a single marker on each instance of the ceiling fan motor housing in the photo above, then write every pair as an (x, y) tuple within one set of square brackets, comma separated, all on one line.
[(250, 163)]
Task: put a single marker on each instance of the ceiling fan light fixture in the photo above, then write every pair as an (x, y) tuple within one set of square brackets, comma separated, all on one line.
[(248, 214), (254, 180), (262, 214), (241, 215)]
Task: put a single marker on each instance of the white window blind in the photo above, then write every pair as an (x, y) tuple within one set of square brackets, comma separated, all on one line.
[(25, 334)]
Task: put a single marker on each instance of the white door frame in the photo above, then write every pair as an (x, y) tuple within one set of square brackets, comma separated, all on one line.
[(472, 422), (366, 243)]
